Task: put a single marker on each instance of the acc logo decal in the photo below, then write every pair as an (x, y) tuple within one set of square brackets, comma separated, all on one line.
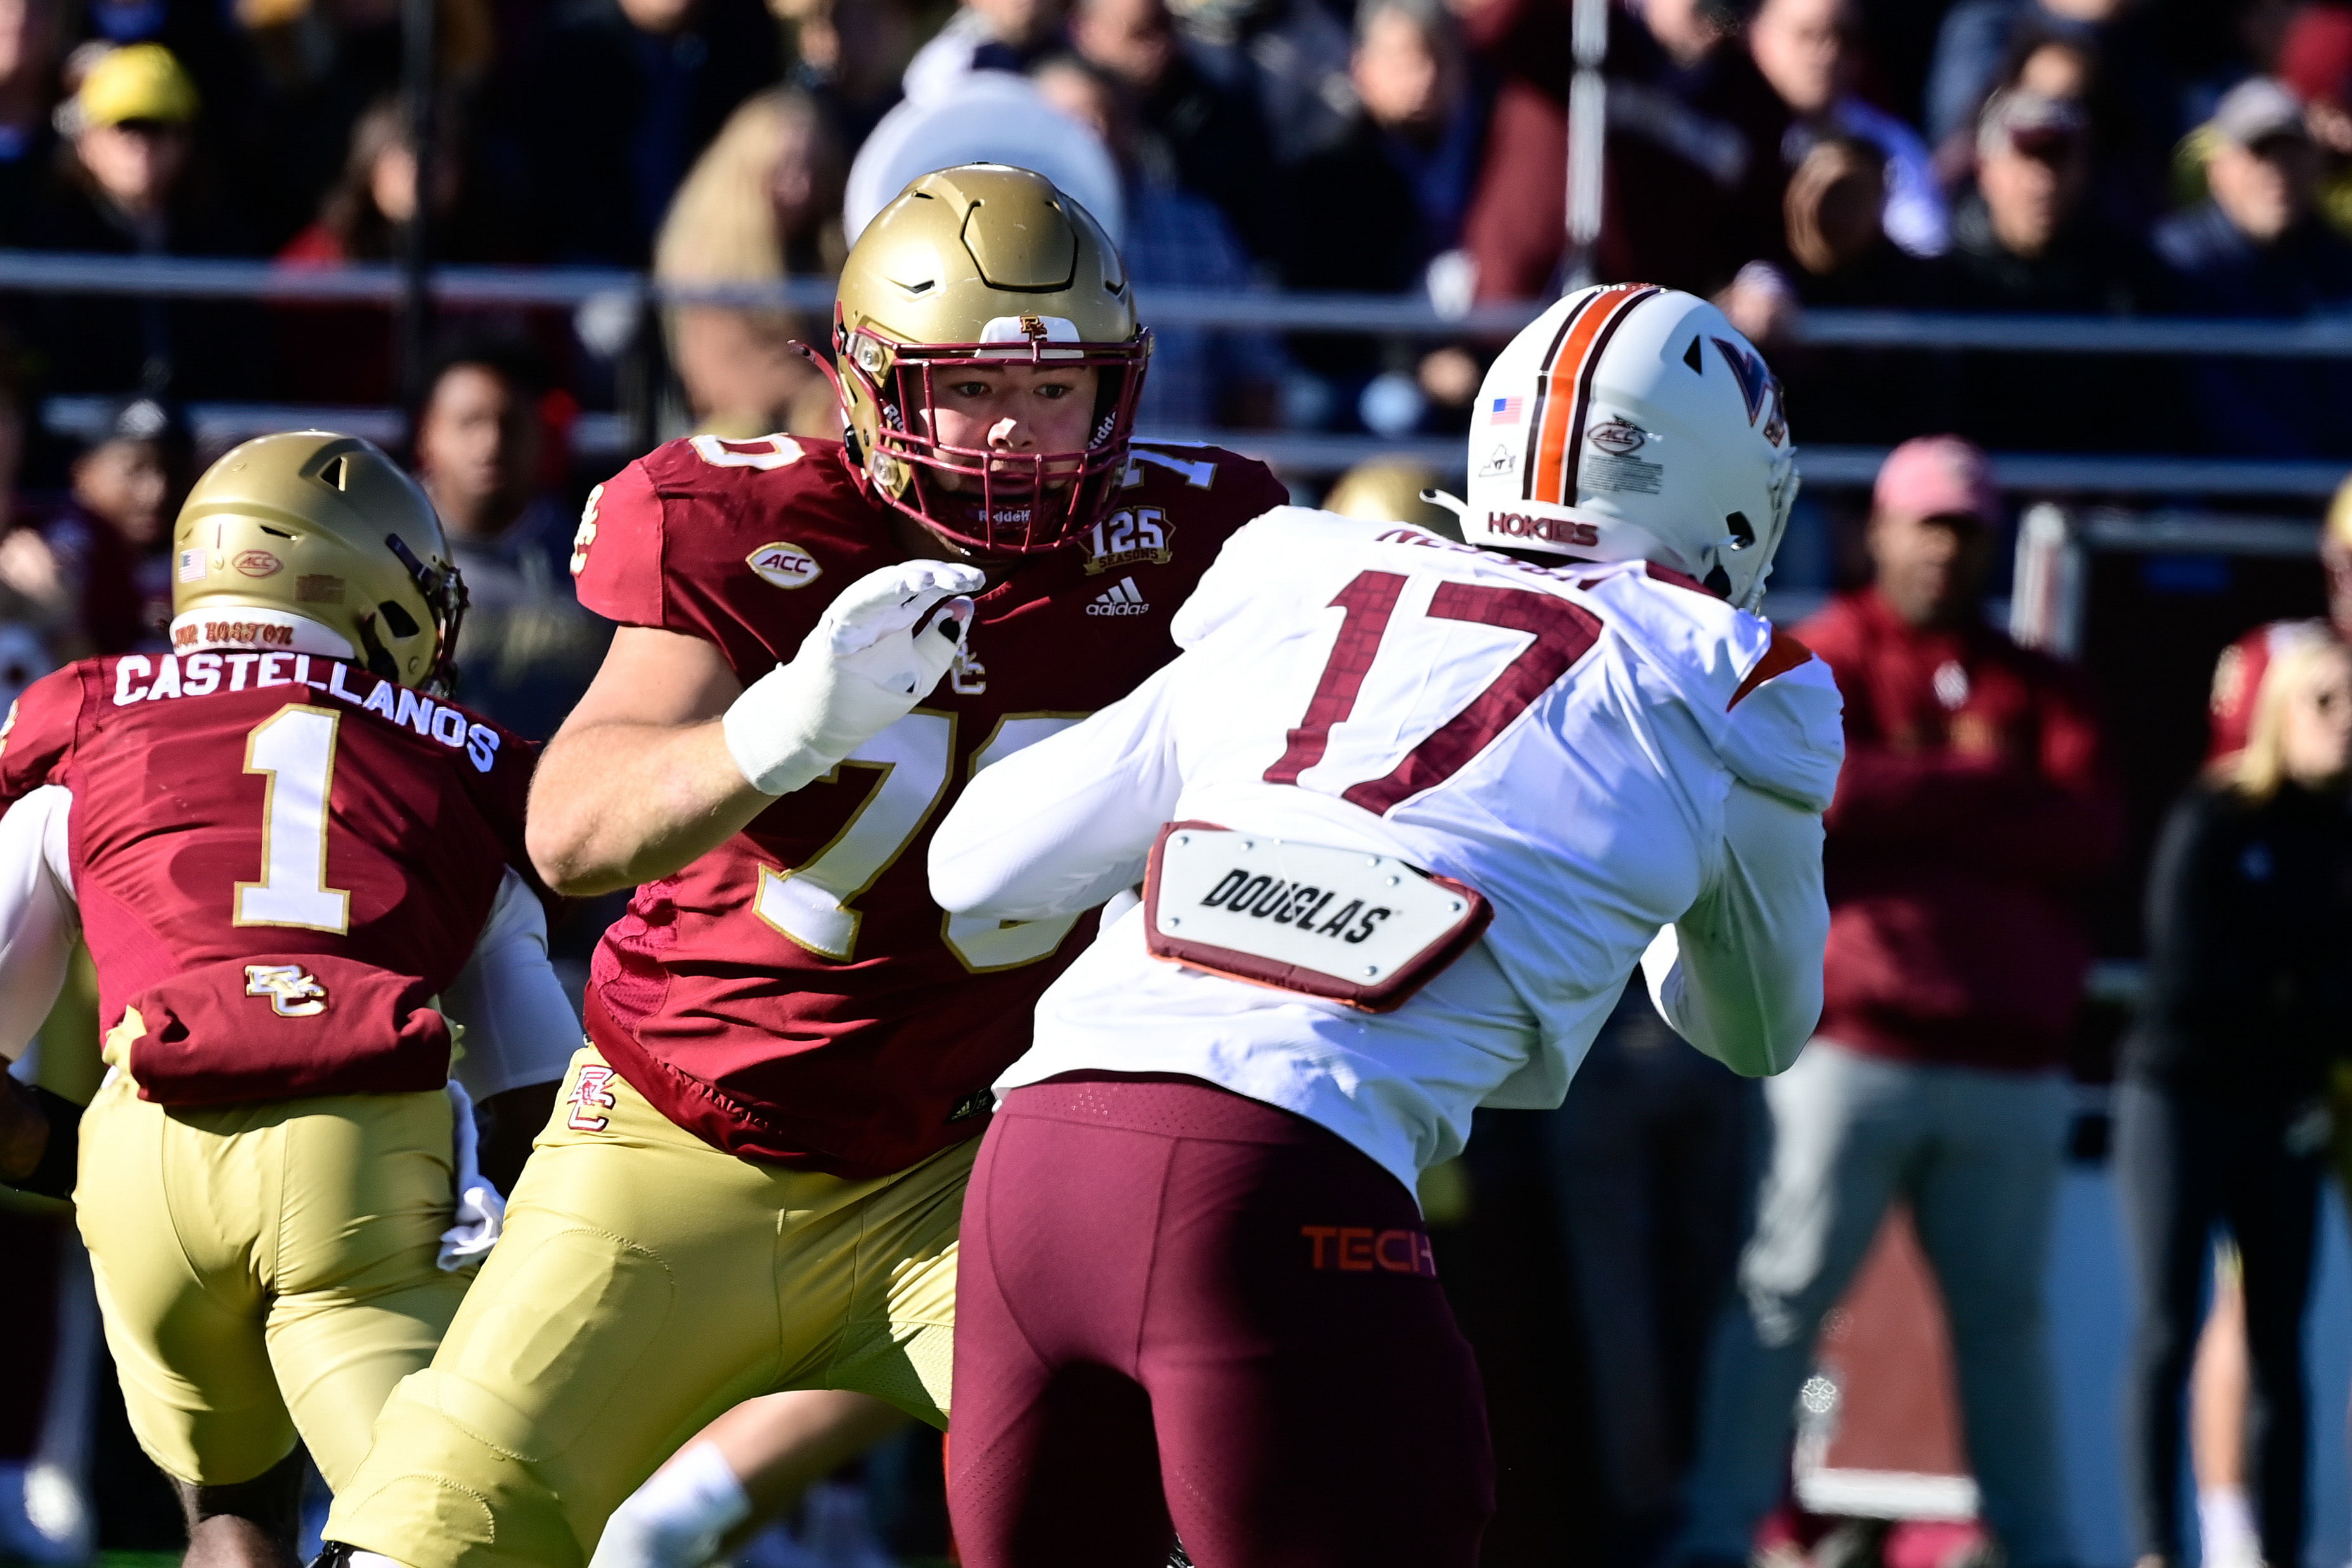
[(258, 563), (292, 993), (784, 564), (1618, 437), (588, 1096)]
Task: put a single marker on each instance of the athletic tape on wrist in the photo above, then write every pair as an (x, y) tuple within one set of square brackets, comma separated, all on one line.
[(796, 722)]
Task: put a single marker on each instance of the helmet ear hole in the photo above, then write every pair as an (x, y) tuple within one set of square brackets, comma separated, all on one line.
[(1718, 580), (1742, 530), (397, 620)]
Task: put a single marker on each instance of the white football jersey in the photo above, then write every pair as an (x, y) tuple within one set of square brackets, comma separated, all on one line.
[(1601, 751)]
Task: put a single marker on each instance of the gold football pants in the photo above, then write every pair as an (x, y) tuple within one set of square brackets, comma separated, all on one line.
[(645, 1281), (265, 1270)]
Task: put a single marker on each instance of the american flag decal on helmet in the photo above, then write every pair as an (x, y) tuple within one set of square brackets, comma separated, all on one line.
[(1564, 391)]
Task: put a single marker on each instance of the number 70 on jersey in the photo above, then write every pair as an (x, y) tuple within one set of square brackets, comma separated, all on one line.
[(813, 904)]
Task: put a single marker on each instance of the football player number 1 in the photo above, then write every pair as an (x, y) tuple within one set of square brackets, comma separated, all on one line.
[(812, 903), (294, 750)]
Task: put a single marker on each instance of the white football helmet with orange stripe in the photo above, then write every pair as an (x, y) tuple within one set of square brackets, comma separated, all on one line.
[(1631, 422)]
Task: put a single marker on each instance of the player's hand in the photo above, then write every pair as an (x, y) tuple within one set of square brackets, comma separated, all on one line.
[(883, 625), (879, 648)]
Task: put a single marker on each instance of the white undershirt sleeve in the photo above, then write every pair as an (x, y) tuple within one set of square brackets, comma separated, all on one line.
[(39, 921), (1739, 975), (520, 1026), (1060, 826)]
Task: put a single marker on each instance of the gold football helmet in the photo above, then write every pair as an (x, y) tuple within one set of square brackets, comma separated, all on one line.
[(1387, 489), (984, 263), (312, 526)]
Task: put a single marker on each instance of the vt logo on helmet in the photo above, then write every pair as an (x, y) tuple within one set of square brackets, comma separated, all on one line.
[(1631, 422), (985, 267), (309, 542)]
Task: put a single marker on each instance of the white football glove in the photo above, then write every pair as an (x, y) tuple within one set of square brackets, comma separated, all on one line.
[(877, 652)]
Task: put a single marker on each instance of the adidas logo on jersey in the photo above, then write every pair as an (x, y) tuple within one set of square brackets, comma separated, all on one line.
[(1121, 597)]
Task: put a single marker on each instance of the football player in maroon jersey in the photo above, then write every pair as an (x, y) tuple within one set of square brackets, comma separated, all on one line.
[(755, 1178), (294, 862)]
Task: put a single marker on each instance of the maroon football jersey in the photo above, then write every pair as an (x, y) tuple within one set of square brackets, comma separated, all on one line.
[(280, 860), (794, 995)]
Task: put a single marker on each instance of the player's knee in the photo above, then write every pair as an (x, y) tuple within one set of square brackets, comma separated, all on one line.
[(445, 1484)]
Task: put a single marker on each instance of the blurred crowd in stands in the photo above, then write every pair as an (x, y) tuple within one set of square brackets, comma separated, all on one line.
[(2110, 157)]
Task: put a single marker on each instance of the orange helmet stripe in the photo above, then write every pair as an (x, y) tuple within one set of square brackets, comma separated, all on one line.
[(1569, 371)]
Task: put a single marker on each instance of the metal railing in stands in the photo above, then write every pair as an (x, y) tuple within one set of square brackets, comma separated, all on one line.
[(606, 436), (1404, 315)]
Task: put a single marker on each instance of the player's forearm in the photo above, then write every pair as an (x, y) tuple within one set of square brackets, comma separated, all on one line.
[(616, 804), (1742, 980)]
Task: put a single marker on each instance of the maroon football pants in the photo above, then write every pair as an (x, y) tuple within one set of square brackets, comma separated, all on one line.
[(1180, 1309)]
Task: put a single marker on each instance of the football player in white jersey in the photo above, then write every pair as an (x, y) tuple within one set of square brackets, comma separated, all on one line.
[(1406, 813)]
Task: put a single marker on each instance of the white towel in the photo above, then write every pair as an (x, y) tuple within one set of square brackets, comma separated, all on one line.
[(481, 1210)]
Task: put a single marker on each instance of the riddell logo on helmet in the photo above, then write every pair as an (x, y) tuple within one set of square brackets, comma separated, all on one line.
[(1558, 530)]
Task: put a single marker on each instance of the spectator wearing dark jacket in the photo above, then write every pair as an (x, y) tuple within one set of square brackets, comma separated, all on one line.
[(2220, 1114), (128, 183), (626, 94), (1370, 213), (1840, 256), (2258, 248), (2025, 242), (530, 649), (1203, 136), (1972, 806), (1694, 172)]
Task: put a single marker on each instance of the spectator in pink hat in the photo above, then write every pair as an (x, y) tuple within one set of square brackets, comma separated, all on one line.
[(1972, 807)]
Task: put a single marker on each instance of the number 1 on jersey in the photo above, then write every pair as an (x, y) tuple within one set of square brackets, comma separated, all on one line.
[(294, 748)]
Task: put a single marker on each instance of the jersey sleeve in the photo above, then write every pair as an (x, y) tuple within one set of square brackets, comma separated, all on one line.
[(498, 766), (662, 544), (1739, 975), (38, 920), (1252, 564), (520, 1026), (617, 555), (1062, 825), (38, 733), (1785, 734)]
